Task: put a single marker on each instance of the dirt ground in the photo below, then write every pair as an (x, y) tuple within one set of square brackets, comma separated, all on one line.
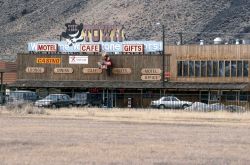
[(114, 138)]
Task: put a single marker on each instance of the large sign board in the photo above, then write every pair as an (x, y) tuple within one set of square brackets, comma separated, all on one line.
[(109, 47)]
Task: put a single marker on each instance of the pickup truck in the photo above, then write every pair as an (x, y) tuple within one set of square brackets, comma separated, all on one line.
[(170, 102)]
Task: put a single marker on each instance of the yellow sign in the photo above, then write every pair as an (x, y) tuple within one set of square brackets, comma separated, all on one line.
[(151, 77), (92, 70), (121, 70), (151, 71), (34, 70), (48, 60), (63, 70)]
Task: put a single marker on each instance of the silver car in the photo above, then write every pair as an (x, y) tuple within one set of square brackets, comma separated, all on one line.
[(170, 102)]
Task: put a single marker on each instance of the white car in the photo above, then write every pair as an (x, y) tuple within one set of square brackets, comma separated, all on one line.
[(170, 102)]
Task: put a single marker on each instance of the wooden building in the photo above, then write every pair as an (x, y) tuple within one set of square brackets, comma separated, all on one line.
[(210, 72)]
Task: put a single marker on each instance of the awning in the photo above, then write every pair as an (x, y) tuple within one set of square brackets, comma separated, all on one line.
[(130, 85)]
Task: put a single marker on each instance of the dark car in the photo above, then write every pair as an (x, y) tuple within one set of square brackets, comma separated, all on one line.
[(55, 101)]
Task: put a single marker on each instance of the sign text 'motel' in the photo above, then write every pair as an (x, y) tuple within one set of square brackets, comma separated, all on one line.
[(151, 71), (47, 47)]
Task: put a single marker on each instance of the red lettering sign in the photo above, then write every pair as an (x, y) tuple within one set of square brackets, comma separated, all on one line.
[(133, 48), (90, 48), (47, 47)]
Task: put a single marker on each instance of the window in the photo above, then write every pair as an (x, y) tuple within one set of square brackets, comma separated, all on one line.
[(191, 68), (239, 68), (197, 68), (179, 68), (209, 69), (185, 68), (215, 68), (227, 68), (245, 68), (203, 68), (221, 69), (233, 68), (243, 96)]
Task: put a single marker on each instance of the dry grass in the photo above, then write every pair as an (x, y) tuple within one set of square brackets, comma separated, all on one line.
[(124, 136)]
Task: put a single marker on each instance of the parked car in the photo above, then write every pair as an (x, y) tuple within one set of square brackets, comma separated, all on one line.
[(81, 99), (55, 101), (22, 96), (170, 102)]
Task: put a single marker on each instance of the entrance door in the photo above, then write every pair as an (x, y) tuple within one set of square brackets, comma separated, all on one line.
[(204, 96), (109, 98)]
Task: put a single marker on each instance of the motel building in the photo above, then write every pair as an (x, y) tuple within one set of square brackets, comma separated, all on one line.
[(141, 72)]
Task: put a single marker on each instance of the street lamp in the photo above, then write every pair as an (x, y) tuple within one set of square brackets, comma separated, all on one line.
[(163, 53)]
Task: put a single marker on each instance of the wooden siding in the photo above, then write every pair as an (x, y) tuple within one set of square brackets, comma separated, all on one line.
[(9, 68), (207, 52), (135, 62)]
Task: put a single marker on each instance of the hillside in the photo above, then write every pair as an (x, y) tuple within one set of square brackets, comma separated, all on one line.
[(27, 20)]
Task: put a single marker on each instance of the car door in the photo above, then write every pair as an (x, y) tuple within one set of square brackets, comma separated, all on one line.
[(167, 102), (176, 102)]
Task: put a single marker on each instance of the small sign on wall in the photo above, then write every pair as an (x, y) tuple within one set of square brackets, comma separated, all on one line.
[(63, 70), (151, 71), (151, 77), (48, 60), (121, 71), (34, 70), (92, 70), (78, 60)]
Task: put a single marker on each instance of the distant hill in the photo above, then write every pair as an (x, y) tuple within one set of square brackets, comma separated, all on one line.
[(27, 20)]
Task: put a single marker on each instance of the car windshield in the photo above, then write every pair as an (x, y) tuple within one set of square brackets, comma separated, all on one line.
[(52, 97)]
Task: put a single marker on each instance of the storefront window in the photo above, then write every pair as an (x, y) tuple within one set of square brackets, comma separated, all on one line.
[(191, 68), (221, 69), (179, 68), (245, 68), (197, 68), (209, 69), (215, 68), (203, 68), (185, 68), (227, 68), (233, 68), (239, 68)]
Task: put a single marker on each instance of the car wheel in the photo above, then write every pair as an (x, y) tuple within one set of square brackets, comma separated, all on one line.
[(184, 106), (161, 106)]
